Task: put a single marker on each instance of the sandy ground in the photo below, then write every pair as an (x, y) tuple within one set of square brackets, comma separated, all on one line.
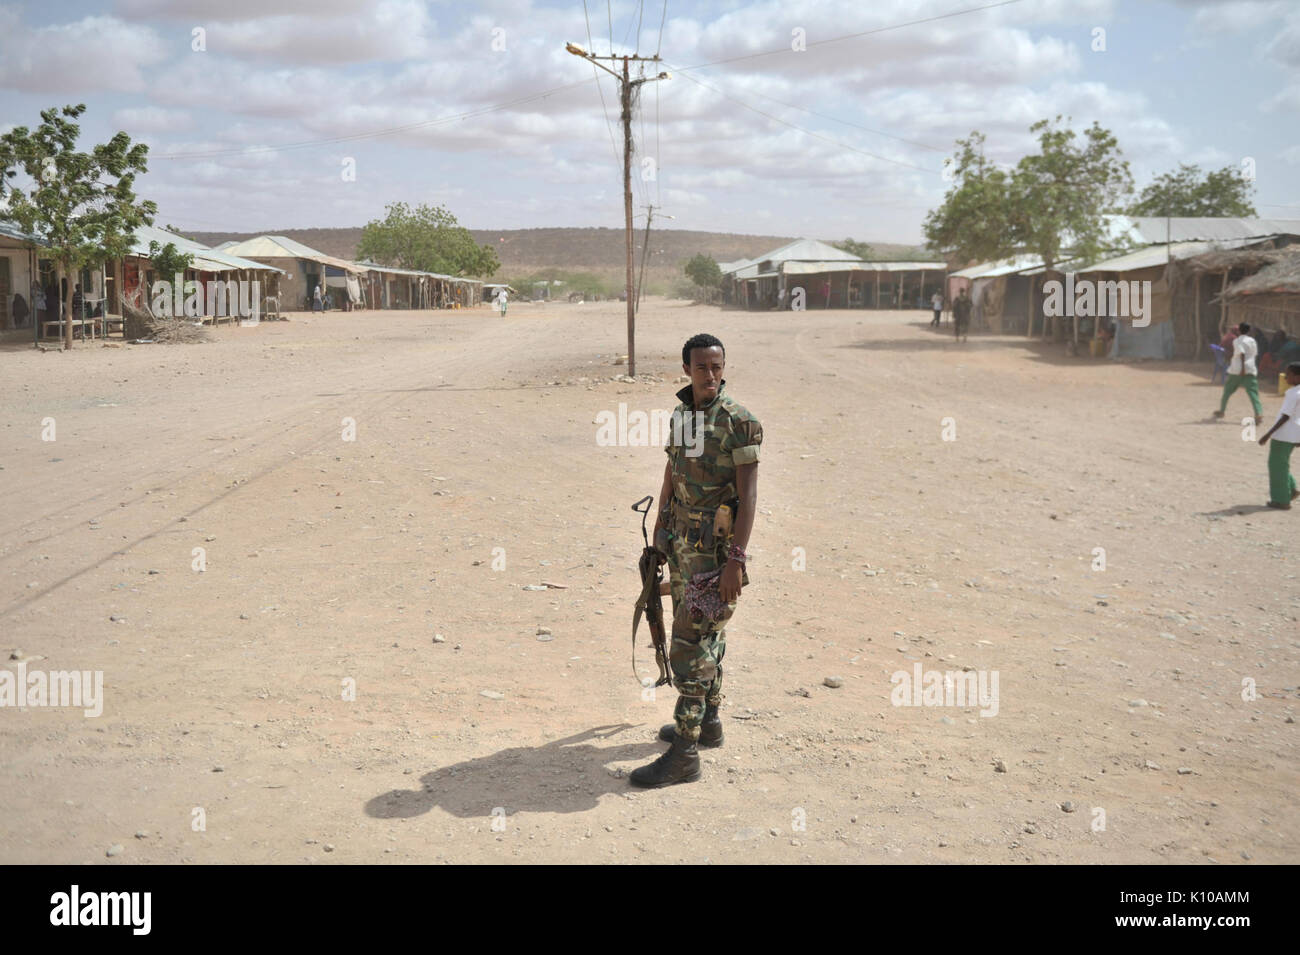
[(332, 562)]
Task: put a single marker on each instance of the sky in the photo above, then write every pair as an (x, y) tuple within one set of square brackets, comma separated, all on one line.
[(828, 119)]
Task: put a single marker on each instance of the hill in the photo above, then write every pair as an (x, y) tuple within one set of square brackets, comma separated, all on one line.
[(575, 253)]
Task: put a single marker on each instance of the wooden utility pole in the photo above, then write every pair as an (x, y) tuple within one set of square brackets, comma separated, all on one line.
[(626, 87)]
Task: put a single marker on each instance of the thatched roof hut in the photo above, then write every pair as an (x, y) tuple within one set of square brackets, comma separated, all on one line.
[(1270, 298)]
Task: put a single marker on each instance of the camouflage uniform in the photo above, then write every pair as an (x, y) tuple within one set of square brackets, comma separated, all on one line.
[(731, 437)]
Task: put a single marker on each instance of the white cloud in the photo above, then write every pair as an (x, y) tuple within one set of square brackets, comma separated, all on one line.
[(91, 55)]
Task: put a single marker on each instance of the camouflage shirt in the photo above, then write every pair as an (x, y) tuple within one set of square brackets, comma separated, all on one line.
[(730, 436)]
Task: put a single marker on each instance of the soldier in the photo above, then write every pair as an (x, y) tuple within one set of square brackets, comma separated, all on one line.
[(708, 501)]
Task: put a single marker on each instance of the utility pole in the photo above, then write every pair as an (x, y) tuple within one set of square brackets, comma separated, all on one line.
[(645, 247), (626, 87)]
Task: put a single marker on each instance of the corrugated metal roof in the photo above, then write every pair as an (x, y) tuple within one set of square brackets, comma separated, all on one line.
[(807, 250), (205, 259), (1147, 230), (10, 230), (811, 268), (282, 247), (1017, 263), (1154, 255)]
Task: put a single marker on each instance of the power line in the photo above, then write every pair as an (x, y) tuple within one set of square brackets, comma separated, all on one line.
[(855, 36), (662, 19), (600, 89)]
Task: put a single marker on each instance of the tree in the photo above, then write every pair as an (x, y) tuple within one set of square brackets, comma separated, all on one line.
[(704, 272), (81, 206), (1060, 197), (974, 221), (169, 261), (426, 239), (1187, 193), (854, 247)]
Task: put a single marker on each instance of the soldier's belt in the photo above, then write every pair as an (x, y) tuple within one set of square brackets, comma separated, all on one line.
[(704, 527)]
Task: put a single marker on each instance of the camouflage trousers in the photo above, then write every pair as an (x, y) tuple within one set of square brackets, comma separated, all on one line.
[(698, 646)]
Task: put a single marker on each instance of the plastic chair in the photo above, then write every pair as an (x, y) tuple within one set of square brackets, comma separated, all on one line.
[(1220, 365)]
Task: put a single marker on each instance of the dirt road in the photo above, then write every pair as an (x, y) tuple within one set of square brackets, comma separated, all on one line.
[(361, 484)]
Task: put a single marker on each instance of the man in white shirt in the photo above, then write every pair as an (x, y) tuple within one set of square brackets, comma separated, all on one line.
[(501, 302), (1286, 435), (936, 303), (1242, 372)]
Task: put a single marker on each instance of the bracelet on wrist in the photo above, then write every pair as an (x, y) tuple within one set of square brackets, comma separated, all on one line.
[(735, 553)]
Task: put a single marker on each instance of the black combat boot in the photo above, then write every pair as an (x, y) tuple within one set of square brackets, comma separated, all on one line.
[(710, 729), (681, 764)]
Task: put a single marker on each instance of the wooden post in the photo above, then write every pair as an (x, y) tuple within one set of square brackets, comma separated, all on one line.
[(1196, 311), (1029, 308), (1223, 306), (877, 288)]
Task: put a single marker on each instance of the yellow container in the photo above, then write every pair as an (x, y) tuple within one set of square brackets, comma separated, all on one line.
[(1096, 347), (1281, 383)]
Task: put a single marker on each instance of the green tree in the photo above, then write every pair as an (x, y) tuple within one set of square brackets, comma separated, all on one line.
[(854, 247), (1188, 192), (1060, 196), (169, 261), (704, 272), (82, 206), (426, 239), (974, 221)]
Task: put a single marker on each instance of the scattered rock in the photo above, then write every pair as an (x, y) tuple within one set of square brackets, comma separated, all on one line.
[(834, 682), (243, 616), (141, 834), (544, 638), (1067, 806), (1138, 702), (152, 572), (117, 619), (328, 847), (1151, 765), (218, 769), (1184, 771), (114, 850), (17, 655), (999, 766), (533, 587), (543, 631), (439, 638), (492, 694)]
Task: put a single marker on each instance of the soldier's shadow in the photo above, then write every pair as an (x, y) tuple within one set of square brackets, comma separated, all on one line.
[(564, 775)]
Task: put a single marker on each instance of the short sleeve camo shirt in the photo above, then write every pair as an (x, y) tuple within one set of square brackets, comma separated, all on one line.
[(729, 436)]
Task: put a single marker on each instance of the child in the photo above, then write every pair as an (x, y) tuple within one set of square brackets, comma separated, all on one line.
[(1281, 483), (1242, 373)]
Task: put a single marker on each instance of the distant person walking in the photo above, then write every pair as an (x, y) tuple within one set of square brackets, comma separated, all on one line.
[(501, 302), (1242, 373), (936, 303), (961, 315), (1286, 435), (317, 303), (826, 292)]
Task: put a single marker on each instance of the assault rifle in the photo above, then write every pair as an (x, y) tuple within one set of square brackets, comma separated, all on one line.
[(649, 603)]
